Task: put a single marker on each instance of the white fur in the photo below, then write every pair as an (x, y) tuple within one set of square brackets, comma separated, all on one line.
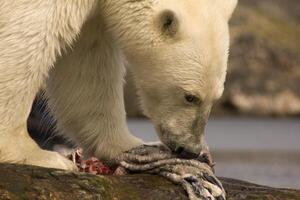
[(79, 48), (86, 93)]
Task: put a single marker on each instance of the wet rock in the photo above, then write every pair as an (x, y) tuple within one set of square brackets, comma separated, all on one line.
[(40, 183)]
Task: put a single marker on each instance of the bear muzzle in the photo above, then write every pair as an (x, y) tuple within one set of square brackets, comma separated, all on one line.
[(204, 155)]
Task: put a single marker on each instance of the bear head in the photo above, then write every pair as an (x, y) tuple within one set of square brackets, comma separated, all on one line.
[(178, 52)]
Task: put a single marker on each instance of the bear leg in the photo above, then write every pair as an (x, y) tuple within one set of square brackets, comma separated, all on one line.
[(31, 36), (85, 91)]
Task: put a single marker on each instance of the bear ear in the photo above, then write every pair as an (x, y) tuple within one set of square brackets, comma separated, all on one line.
[(168, 23), (228, 7)]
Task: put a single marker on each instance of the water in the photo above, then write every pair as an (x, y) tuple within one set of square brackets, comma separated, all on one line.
[(264, 151)]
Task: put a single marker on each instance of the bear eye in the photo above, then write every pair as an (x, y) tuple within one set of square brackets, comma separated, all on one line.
[(192, 99), (169, 23)]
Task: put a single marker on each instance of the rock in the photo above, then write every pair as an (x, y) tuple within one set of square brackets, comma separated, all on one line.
[(265, 58), (30, 182)]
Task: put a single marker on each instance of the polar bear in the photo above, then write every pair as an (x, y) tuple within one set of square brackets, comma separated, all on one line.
[(177, 51)]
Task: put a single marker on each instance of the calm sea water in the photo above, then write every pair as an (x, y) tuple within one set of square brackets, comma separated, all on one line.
[(264, 151)]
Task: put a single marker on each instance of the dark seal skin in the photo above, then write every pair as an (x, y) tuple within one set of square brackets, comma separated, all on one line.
[(194, 172)]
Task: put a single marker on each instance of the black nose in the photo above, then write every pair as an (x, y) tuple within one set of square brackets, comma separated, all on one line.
[(181, 152)]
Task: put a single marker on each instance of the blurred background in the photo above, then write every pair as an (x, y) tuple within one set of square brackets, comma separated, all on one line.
[(254, 130)]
